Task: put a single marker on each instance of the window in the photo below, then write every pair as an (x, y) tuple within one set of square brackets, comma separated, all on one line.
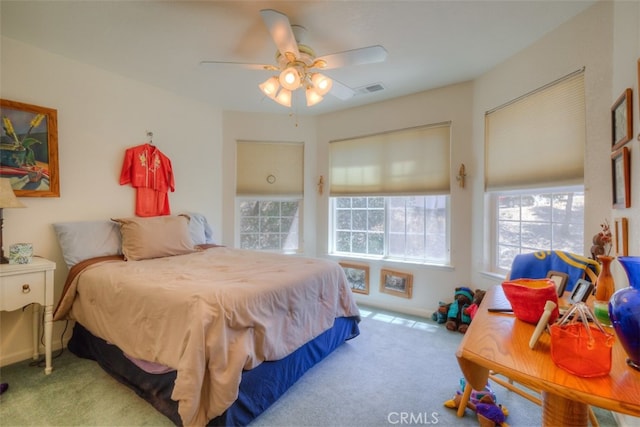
[(269, 193), (407, 228), (534, 171), (390, 195), (271, 225), (538, 221)]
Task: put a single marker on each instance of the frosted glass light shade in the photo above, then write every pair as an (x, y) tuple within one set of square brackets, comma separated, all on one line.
[(270, 87), (290, 78), (322, 83), (313, 97), (284, 97)]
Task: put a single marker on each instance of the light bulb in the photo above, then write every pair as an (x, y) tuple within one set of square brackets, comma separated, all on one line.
[(290, 78)]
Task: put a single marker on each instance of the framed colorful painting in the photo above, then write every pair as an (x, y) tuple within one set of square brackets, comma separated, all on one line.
[(29, 149)]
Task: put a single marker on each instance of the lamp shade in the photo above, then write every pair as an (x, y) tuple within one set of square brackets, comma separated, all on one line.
[(8, 198), (284, 97), (270, 87), (313, 97), (322, 83), (290, 78)]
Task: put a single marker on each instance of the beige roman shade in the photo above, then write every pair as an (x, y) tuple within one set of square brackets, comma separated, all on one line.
[(269, 168), (409, 161), (538, 140)]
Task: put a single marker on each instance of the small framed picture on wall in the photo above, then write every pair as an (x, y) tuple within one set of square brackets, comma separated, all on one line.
[(620, 178), (622, 120)]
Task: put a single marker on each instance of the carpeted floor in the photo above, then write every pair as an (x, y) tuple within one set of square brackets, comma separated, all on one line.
[(399, 371)]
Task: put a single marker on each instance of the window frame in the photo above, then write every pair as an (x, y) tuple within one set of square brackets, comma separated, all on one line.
[(493, 197), (446, 262), (272, 198)]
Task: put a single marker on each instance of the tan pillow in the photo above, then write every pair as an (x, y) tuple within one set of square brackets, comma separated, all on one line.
[(155, 237)]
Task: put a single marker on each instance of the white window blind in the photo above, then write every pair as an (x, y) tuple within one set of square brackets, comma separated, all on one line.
[(539, 139), (269, 168), (410, 161)]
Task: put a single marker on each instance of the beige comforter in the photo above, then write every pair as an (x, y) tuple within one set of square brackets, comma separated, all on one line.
[(209, 315)]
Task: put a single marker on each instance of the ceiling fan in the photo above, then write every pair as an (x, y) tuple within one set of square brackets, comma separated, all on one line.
[(298, 67)]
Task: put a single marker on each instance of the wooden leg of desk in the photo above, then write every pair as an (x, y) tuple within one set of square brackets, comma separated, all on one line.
[(558, 411)]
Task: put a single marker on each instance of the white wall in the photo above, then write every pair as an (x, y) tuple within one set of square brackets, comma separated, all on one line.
[(240, 126), (99, 116), (453, 103), (585, 41)]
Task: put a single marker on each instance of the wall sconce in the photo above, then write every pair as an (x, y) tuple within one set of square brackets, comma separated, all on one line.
[(462, 174)]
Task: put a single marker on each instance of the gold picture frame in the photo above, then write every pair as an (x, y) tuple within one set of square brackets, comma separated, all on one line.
[(29, 149), (396, 283), (357, 277), (621, 234), (622, 120)]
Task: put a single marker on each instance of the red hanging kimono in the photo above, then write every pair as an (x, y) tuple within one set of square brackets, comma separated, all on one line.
[(149, 171)]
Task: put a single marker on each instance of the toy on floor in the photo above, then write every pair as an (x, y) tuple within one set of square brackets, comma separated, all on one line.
[(457, 320), (483, 403), (440, 316), (477, 299)]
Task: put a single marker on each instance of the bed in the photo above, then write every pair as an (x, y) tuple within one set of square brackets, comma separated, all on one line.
[(206, 334)]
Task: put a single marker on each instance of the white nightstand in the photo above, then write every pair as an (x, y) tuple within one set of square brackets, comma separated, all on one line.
[(23, 284)]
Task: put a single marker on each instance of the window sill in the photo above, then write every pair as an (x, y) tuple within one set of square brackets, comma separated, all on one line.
[(389, 261)]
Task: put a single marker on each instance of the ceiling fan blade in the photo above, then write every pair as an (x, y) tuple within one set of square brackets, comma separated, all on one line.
[(341, 91), (281, 32), (364, 55), (245, 65)]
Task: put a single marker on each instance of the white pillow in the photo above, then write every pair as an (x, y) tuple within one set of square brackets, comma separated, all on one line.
[(199, 228), (88, 239)]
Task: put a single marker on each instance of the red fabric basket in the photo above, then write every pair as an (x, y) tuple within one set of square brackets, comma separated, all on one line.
[(529, 296)]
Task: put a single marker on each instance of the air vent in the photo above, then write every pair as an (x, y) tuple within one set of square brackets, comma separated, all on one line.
[(375, 87)]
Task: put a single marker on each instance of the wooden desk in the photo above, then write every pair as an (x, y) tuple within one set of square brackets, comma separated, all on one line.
[(499, 342)]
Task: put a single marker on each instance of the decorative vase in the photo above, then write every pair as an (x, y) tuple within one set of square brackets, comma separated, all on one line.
[(605, 287), (624, 311)]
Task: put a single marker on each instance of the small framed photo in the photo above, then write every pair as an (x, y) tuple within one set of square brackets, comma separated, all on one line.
[(560, 280), (622, 120), (621, 236), (396, 283), (581, 291), (357, 276), (620, 178)]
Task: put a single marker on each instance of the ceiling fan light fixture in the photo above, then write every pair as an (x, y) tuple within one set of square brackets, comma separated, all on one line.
[(290, 78), (313, 97), (322, 83), (284, 97), (270, 87)]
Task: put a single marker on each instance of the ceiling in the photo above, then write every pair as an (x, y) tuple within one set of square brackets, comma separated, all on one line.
[(430, 43)]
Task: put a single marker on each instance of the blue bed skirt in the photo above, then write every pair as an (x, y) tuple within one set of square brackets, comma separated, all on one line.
[(259, 388)]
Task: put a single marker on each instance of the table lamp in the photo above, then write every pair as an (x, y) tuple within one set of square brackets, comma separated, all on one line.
[(8, 199)]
